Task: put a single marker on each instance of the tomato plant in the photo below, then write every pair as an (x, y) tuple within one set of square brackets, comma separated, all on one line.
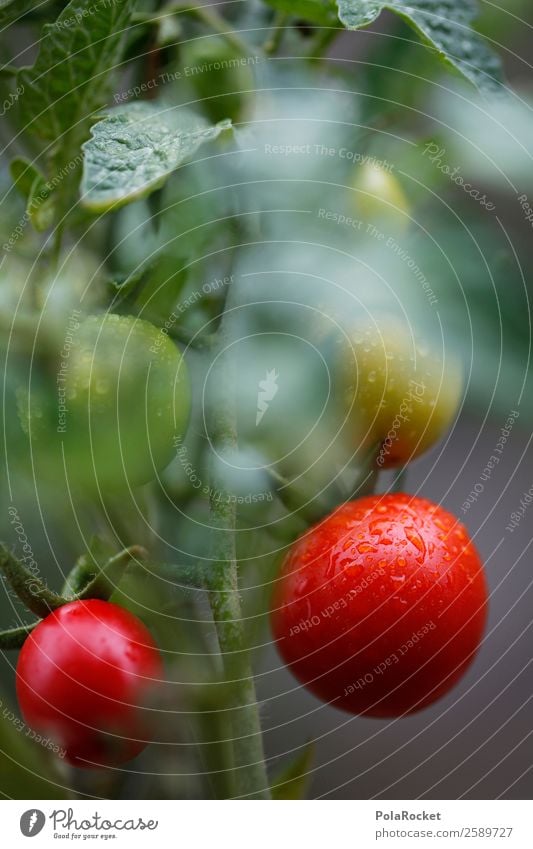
[(83, 679), (380, 608), (251, 260)]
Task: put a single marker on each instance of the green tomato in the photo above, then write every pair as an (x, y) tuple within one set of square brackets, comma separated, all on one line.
[(380, 198), (219, 76), (119, 403), (398, 396)]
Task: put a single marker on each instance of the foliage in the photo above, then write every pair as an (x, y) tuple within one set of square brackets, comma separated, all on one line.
[(255, 239)]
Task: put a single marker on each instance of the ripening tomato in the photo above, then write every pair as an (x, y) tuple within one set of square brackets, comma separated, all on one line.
[(380, 198), (119, 401), (380, 608), (398, 395), (83, 677)]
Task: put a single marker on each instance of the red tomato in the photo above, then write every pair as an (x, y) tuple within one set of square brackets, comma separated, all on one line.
[(380, 608), (83, 676)]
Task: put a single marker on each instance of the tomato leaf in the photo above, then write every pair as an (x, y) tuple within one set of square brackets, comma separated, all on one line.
[(32, 185), (316, 11), (24, 173), (13, 10), (293, 781), (444, 25), (69, 79), (135, 149)]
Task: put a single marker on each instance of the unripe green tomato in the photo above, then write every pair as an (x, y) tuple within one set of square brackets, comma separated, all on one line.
[(380, 198), (121, 398), (218, 76), (398, 395)]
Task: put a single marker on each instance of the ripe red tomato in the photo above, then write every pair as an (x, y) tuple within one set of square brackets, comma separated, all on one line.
[(82, 679), (380, 608)]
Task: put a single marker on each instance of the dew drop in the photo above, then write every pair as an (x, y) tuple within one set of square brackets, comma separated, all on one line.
[(365, 548), (416, 540)]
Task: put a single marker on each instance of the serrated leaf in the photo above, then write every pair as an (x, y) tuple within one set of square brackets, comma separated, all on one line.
[(68, 81), (315, 11), (135, 148), (293, 781), (445, 25)]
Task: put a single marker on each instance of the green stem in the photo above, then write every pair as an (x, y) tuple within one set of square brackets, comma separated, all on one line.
[(273, 41), (193, 340), (399, 482), (250, 776), (29, 588), (88, 580), (15, 637), (222, 581), (297, 501), (214, 22), (326, 36)]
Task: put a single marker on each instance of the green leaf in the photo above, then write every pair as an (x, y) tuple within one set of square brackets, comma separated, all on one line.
[(12, 10), (445, 25), (294, 780), (24, 173), (135, 148), (316, 11), (68, 81), (41, 205), (32, 185)]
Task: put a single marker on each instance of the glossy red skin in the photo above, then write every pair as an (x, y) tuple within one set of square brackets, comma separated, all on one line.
[(83, 676), (356, 587)]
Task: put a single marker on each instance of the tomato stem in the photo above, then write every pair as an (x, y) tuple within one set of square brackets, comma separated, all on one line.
[(15, 637), (399, 482), (214, 22), (87, 580), (275, 37), (29, 588), (297, 501), (222, 580)]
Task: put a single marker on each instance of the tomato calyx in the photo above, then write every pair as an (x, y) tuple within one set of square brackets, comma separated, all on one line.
[(87, 580)]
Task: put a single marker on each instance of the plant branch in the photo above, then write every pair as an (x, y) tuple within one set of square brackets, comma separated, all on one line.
[(214, 22), (221, 578), (88, 580), (273, 41), (297, 500), (326, 36), (193, 340), (15, 637), (399, 482), (29, 588)]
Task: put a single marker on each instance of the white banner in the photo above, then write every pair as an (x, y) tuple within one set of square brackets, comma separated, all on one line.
[(342, 824)]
